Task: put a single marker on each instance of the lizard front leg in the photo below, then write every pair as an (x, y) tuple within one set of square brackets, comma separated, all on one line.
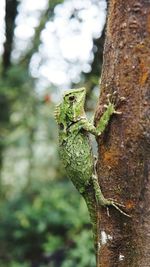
[(112, 104), (105, 118)]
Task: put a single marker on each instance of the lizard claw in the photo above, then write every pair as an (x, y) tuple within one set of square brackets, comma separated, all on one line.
[(105, 106), (117, 112), (122, 98), (116, 205), (111, 98), (107, 209)]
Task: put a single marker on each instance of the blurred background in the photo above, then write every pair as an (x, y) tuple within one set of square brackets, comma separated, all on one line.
[(46, 47)]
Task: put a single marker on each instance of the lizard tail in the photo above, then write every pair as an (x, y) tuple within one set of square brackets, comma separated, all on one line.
[(93, 212)]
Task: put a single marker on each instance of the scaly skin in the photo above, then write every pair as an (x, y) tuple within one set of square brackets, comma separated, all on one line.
[(76, 152)]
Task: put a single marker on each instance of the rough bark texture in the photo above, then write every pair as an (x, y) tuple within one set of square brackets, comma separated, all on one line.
[(124, 151)]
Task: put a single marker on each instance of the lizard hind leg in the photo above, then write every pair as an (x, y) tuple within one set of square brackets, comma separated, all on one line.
[(101, 200), (98, 193)]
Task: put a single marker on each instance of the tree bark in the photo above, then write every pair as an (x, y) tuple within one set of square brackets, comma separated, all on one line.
[(124, 150), (11, 13)]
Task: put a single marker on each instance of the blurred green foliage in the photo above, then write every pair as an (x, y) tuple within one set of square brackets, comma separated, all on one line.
[(47, 225)]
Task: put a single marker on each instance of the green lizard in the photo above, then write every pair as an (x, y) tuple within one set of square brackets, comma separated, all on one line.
[(76, 152)]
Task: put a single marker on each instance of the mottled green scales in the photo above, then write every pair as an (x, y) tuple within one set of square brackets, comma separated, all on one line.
[(77, 158), (75, 148)]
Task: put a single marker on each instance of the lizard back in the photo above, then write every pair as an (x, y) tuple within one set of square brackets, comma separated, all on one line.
[(77, 157)]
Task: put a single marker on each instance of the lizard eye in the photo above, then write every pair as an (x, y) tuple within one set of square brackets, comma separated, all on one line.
[(72, 98)]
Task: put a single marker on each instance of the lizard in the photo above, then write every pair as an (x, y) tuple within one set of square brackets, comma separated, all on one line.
[(76, 152)]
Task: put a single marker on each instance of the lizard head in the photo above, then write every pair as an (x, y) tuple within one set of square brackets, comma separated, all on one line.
[(73, 103)]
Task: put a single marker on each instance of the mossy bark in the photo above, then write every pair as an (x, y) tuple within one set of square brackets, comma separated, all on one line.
[(124, 151)]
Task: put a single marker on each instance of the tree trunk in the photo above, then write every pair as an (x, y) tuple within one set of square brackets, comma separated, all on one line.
[(11, 13), (124, 150)]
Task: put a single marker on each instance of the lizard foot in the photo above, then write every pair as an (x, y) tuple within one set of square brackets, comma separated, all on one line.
[(102, 201), (110, 202), (117, 206), (115, 101)]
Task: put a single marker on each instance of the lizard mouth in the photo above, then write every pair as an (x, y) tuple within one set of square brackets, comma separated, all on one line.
[(71, 124), (75, 121)]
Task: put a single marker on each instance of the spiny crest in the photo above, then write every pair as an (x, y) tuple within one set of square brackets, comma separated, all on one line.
[(74, 91), (57, 113)]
